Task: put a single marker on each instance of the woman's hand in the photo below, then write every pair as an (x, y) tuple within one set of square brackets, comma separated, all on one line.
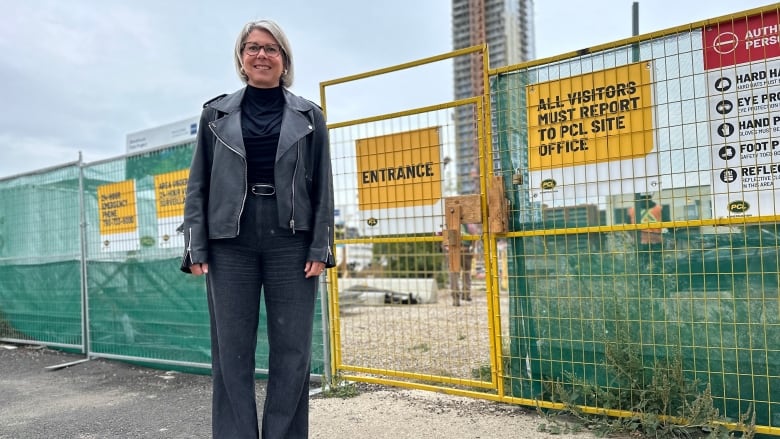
[(198, 269), (313, 268)]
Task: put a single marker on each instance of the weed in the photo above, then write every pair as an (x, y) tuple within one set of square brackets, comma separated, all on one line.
[(663, 403), (340, 388), (482, 373), (6, 330), (659, 399)]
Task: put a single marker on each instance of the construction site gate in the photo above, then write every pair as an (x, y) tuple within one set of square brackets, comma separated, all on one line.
[(617, 229)]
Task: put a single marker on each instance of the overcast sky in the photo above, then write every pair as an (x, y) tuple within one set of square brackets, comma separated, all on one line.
[(80, 75)]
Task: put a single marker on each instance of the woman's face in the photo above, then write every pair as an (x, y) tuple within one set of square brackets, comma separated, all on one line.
[(262, 69)]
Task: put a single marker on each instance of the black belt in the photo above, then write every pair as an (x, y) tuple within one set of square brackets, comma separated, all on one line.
[(262, 189)]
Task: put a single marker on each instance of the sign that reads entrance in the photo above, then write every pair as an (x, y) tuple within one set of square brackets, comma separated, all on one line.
[(399, 179), (591, 118), (399, 170)]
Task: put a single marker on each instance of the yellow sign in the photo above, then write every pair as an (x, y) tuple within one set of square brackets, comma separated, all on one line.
[(591, 118), (399, 170), (169, 190), (116, 207)]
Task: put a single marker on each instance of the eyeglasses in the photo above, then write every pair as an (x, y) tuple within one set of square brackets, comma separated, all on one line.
[(271, 50)]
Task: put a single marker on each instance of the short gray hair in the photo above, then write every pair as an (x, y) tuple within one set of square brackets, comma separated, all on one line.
[(280, 37)]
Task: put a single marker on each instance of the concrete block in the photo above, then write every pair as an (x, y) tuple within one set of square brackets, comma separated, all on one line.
[(423, 290)]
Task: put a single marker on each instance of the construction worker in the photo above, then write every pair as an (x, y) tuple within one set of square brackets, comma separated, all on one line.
[(460, 281), (650, 240)]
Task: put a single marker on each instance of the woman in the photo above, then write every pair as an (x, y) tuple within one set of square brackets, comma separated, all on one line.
[(259, 215)]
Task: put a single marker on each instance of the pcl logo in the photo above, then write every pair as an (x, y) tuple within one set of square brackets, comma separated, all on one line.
[(549, 184), (739, 206)]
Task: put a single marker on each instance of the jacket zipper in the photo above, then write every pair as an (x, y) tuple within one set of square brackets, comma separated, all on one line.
[(292, 200), (188, 256), (243, 200), (330, 251)]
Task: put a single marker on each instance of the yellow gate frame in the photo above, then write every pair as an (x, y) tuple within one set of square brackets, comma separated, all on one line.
[(492, 212)]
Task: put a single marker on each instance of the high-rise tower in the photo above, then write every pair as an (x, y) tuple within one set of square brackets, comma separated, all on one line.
[(507, 28)]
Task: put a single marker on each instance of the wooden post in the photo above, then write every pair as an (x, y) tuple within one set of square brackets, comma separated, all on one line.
[(453, 237), (497, 206), (461, 209)]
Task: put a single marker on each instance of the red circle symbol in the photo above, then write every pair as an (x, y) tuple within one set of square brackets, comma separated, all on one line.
[(725, 43)]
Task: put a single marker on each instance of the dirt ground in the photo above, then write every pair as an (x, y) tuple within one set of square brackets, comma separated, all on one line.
[(110, 399)]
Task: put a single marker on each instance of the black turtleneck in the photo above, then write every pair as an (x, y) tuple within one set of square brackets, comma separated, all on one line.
[(261, 122)]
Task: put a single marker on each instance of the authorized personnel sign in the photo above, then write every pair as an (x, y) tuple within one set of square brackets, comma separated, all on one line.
[(169, 191), (399, 181), (742, 40), (742, 58), (117, 216), (582, 127)]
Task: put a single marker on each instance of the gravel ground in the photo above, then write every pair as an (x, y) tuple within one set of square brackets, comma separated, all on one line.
[(436, 339), (109, 399)]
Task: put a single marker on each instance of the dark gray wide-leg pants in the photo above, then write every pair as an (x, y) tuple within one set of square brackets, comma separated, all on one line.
[(268, 257)]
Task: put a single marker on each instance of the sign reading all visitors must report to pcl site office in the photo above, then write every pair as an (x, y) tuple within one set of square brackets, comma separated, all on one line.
[(399, 182), (591, 135), (117, 216), (742, 59)]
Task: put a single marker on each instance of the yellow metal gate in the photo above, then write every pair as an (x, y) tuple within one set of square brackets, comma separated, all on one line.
[(412, 297)]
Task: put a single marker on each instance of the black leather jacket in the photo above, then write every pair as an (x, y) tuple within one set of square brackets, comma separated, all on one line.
[(217, 186)]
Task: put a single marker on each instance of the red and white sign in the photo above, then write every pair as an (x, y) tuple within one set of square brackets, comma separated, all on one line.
[(742, 61), (742, 40)]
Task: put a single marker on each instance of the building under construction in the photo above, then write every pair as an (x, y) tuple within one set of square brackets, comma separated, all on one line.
[(507, 28)]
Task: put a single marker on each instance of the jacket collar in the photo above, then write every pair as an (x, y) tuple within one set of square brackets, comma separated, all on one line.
[(232, 102), (295, 123)]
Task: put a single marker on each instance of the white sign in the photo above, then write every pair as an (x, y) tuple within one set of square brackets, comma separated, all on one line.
[(742, 61), (744, 105), (173, 133)]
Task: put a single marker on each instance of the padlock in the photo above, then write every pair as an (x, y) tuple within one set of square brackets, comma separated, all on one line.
[(517, 178)]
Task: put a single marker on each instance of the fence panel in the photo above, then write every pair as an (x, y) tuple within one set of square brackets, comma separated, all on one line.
[(140, 305), (40, 258), (395, 315), (643, 220)]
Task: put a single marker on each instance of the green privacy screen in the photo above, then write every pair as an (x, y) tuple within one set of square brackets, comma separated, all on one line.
[(636, 224), (40, 259), (126, 257)]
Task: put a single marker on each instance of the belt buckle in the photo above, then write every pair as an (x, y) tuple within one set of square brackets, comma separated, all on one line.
[(263, 189)]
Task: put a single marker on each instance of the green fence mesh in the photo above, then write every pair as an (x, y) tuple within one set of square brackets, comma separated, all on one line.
[(40, 274), (584, 290), (139, 305)]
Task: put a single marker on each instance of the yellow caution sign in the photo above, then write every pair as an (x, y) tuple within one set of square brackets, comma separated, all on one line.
[(399, 170), (595, 117), (116, 207), (169, 191)]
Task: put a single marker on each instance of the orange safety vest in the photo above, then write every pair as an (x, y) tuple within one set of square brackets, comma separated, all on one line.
[(648, 216)]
